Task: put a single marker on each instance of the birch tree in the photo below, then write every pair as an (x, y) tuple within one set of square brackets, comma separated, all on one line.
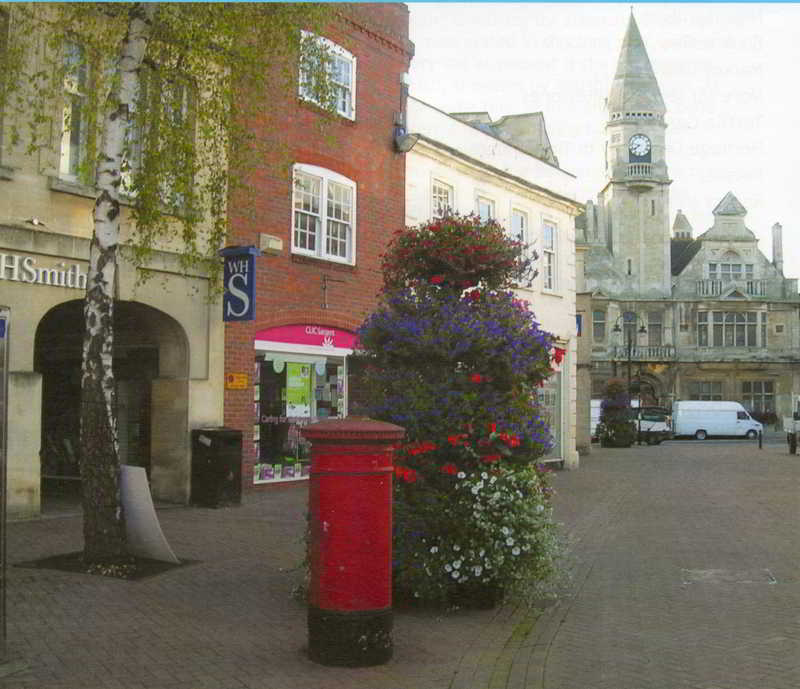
[(170, 91)]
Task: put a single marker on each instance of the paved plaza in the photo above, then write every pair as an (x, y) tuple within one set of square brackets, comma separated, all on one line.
[(684, 565)]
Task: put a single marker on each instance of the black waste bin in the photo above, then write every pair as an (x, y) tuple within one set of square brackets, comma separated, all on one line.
[(216, 467)]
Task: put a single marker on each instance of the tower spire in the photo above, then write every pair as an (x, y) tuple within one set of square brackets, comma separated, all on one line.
[(634, 88)]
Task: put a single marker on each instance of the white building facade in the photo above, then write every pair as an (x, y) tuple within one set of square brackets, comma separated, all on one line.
[(506, 170)]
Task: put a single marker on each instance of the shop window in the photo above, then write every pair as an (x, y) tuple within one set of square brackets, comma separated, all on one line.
[(549, 397), (340, 66), (323, 216), (288, 395)]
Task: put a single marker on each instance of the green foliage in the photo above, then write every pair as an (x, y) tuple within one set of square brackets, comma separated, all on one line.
[(208, 74)]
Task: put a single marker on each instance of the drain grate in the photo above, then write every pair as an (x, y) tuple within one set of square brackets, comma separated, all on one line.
[(728, 576)]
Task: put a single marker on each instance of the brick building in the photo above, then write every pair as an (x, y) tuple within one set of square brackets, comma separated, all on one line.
[(328, 198)]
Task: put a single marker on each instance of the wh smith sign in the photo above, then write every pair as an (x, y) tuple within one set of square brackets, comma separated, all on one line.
[(239, 276)]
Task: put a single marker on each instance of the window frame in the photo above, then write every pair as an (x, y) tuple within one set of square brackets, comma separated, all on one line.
[(76, 91), (598, 323), (334, 50), (491, 204), (524, 235), (708, 390), (326, 177), (550, 276), (731, 329), (758, 395), (436, 210)]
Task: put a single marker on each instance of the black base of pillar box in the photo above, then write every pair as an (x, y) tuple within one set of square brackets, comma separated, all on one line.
[(350, 639)]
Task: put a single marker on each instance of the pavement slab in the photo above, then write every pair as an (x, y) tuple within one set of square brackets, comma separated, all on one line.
[(684, 575)]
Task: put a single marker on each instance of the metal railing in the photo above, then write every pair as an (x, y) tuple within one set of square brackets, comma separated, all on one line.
[(643, 352)]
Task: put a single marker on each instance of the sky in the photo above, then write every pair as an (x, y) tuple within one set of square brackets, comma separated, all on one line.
[(727, 73)]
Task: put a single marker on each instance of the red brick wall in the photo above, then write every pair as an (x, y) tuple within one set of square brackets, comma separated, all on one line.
[(289, 288)]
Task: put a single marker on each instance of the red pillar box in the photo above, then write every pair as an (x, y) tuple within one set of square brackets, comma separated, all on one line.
[(350, 548)]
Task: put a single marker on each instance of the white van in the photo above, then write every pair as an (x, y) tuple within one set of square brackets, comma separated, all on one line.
[(702, 419)]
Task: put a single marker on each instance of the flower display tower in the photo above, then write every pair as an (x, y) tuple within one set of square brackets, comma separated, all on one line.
[(454, 356)]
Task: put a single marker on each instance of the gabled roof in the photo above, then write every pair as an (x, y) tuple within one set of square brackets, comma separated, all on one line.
[(730, 205), (681, 252), (681, 228), (729, 222), (634, 88)]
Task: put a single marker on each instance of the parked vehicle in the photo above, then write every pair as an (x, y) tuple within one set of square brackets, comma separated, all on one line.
[(595, 411), (703, 419), (653, 424)]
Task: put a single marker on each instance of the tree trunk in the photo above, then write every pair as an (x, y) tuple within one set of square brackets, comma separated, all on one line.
[(103, 518)]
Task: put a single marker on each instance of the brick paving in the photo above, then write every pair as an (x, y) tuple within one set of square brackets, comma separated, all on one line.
[(685, 576)]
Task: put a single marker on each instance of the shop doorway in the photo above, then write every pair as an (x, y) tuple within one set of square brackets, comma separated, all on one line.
[(146, 341)]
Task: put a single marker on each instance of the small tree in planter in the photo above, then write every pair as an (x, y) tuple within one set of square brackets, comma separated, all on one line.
[(616, 429), (454, 357)]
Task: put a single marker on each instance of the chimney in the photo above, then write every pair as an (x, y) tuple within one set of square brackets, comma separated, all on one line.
[(777, 247)]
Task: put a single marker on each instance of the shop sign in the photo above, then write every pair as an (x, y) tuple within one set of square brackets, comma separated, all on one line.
[(237, 381), (22, 268), (316, 335), (239, 279)]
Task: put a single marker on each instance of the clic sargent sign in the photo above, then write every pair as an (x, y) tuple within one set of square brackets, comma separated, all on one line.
[(24, 268)]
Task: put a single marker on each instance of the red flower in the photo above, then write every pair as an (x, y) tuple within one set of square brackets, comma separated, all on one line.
[(558, 354), (473, 295), (437, 279), (449, 468), (490, 459), (492, 428), (476, 378), (408, 475), (456, 440)]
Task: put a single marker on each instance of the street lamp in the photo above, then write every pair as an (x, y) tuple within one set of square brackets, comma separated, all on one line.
[(629, 319)]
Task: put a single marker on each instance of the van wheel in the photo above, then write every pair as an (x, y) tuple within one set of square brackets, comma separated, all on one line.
[(701, 435), (752, 434)]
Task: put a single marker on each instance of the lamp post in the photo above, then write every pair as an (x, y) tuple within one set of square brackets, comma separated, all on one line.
[(629, 319)]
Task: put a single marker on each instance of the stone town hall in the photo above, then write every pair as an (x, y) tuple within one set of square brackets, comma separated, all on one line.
[(706, 317)]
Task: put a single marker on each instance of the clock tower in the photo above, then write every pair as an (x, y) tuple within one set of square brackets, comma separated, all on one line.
[(635, 200)]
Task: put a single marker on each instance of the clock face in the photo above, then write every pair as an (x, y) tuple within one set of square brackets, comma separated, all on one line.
[(639, 145)]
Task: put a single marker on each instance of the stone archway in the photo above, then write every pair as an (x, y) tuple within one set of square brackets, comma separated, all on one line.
[(151, 353)]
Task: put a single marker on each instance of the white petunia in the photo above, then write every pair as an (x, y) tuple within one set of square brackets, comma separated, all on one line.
[(448, 568), (454, 575), (456, 548), (484, 474), (505, 531), (515, 551), (461, 474), (435, 549), (457, 564), (509, 541)]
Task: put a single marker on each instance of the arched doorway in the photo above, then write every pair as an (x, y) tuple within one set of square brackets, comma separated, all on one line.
[(148, 346)]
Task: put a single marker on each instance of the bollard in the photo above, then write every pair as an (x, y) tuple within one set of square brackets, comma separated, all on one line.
[(350, 541), (759, 440)]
